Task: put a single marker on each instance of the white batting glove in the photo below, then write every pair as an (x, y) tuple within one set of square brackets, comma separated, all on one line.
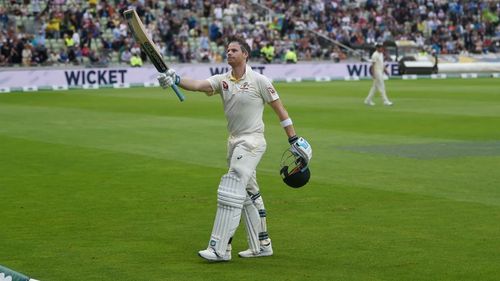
[(168, 79), (301, 148)]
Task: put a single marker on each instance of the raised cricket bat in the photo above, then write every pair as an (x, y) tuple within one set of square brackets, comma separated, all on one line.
[(148, 46)]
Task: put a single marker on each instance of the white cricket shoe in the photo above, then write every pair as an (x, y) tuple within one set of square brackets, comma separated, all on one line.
[(369, 102), (388, 103), (265, 251), (210, 255)]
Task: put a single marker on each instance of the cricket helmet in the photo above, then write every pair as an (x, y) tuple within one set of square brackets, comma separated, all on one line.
[(294, 170)]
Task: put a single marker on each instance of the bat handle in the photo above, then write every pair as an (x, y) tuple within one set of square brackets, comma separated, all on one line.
[(178, 92)]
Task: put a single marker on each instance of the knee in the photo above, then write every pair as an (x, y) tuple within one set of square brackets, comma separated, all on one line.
[(242, 174), (231, 192)]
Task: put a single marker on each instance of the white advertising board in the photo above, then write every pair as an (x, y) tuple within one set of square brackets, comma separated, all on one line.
[(91, 77)]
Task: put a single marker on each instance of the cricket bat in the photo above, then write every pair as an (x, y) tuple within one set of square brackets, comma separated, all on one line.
[(148, 46)]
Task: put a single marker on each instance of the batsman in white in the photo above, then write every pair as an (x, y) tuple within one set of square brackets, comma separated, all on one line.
[(244, 94), (377, 71)]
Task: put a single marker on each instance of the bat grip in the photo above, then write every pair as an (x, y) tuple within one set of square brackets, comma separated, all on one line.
[(178, 92)]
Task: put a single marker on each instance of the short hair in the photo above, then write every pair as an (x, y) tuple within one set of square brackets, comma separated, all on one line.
[(243, 44)]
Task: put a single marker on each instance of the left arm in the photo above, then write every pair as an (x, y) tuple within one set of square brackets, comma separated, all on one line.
[(299, 145), (280, 110)]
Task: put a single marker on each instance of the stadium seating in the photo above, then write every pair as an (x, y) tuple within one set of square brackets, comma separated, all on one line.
[(441, 27)]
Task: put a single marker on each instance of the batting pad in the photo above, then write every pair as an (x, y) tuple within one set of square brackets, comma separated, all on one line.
[(252, 224), (254, 214), (230, 198)]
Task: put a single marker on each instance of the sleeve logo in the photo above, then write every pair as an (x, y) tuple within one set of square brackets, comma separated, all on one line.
[(271, 91), (225, 86)]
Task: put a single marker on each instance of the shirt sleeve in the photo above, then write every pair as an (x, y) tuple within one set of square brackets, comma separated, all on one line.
[(267, 90), (215, 82)]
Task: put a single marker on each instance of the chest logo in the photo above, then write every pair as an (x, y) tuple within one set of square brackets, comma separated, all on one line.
[(225, 87), (245, 86)]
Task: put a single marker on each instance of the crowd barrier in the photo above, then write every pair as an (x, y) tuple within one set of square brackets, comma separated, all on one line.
[(33, 79)]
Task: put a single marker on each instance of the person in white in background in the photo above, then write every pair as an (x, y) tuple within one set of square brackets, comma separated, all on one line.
[(244, 94), (377, 71)]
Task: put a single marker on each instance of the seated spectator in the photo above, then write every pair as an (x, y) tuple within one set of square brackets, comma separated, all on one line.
[(3, 60), (204, 55), (184, 53), (40, 55), (62, 56), (135, 60), (312, 27), (39, 39), (268, 52), (136, 49), (27, 55), (290, 56), (85, 50), (125, 56), (54, 26)]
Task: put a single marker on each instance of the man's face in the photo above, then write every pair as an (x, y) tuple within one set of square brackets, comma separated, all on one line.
[(235, 54)]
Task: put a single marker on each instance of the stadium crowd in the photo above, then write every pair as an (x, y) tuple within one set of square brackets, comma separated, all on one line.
[(94, 32)]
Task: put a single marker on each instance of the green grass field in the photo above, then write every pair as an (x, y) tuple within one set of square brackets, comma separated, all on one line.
[(121, 184)]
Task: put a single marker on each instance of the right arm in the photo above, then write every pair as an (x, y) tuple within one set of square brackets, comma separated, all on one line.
[(196, 85)]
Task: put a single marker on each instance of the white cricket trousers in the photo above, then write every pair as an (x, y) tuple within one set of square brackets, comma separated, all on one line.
[(378, 85), (243, 155)]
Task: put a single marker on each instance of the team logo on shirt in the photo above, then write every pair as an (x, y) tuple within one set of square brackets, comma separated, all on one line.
[(225, 86), (271, 91), (245, 86)]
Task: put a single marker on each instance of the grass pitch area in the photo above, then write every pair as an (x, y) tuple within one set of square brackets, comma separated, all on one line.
[(121, 184)]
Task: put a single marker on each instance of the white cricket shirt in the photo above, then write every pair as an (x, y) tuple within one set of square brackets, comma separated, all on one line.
[(244, 100)]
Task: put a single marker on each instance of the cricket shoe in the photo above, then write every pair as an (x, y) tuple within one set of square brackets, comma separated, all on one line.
[(369, 102), (210, 255), (265, 251), (388, 103)]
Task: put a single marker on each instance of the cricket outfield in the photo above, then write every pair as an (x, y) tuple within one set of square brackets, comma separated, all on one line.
[(120, 184)]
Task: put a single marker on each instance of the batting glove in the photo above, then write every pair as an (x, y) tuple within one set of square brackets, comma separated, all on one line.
[(300, 147), (168, 79)]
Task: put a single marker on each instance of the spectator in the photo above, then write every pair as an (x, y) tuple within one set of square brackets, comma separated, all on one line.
[(62, 56), (40, 55), (136, 49), (6, 50), (268, 52), (450, 27), (85, 50), (290, 56), (125, 56), (39, 39), (205, 55), (135, 60), (204, 42)]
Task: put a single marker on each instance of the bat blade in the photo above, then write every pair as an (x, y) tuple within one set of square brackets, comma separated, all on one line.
[(148, 46)]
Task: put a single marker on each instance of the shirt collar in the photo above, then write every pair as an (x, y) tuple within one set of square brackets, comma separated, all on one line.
[(233, 79)]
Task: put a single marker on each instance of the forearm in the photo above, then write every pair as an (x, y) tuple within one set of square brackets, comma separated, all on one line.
[(195, 85), (284, 118), (290, 131)]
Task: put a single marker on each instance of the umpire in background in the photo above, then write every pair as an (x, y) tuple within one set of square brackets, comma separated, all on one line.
[(377, 71)]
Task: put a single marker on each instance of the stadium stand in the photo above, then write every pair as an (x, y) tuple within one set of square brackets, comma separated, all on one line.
[(59, 32)]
